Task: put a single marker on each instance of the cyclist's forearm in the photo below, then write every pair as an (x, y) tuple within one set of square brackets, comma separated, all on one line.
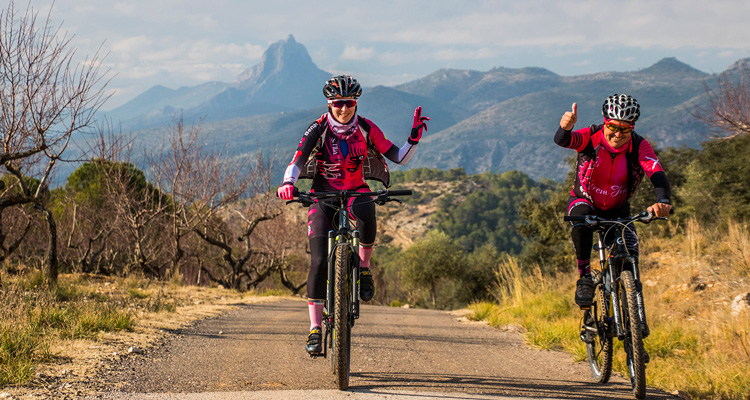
[(563, 137), (575, 140), (291, 174), (401, 155), (661, 186)]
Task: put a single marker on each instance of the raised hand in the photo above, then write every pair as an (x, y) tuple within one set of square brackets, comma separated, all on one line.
[(286, 191), (570, 118), (416, 128)]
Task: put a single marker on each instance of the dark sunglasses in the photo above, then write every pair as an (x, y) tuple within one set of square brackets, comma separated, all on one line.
[(620, 128), (342, 103)]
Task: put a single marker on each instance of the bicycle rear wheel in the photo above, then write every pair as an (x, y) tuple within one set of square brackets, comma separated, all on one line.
[(341, 326), (633, 343), (598, 342)]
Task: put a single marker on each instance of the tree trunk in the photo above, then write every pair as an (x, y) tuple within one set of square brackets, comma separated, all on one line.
[(433, 294), (51, 266)]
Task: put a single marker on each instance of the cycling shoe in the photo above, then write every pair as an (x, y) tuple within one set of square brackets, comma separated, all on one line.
[(366, 285), (314, 342), (584, 291)]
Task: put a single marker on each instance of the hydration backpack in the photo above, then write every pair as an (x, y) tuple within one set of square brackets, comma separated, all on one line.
[(374, 166)]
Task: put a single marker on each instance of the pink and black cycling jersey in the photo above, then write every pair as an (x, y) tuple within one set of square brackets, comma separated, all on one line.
[(608, 177), (339, 161)]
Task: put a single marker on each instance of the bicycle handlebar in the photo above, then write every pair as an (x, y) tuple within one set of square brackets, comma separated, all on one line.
[(381, 196), (593, 220)]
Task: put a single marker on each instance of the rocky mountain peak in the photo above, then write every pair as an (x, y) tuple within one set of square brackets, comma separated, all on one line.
[(280, 61)]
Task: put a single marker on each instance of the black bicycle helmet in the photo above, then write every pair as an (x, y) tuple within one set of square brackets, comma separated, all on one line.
[(622, 107), (342, 86)]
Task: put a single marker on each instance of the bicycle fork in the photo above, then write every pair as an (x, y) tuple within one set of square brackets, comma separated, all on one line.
[(334, 241), (639, 295), (355, 276)]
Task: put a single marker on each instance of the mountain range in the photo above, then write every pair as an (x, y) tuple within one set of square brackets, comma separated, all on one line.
[(497, 120)]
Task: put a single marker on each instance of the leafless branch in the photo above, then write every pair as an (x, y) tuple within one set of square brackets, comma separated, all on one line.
[(729, 110)]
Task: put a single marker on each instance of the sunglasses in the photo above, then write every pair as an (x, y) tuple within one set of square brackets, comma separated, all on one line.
[(342, 103), (619, 128)]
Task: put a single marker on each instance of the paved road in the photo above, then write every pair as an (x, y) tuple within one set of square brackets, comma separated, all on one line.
[(257, 352)]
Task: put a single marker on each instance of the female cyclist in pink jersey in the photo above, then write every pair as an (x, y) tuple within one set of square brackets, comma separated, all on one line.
[(612, 160), (345, 139)]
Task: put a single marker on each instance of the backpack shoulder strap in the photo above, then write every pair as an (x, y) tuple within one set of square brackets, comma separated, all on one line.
[(311, 165)]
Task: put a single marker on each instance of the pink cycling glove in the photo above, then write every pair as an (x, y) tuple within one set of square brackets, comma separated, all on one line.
[(286, 191), (419, 123)]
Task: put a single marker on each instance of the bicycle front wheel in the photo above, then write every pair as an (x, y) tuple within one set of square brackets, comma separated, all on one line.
[(341, 326), (596, 335), (633, 343)]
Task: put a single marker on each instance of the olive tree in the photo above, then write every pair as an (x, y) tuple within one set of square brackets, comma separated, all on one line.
[(430, 261)]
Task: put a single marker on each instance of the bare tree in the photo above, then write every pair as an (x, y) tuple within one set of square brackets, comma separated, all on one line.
[(729, 110), (45, 97), (198, 179), (254, 242)]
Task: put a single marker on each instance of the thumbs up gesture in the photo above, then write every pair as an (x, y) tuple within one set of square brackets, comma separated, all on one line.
[(569, 119)]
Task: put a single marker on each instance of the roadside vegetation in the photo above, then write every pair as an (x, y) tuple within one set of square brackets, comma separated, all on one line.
[(35, 315)]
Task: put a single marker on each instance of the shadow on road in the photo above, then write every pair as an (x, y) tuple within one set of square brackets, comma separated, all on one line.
[(385, 382)]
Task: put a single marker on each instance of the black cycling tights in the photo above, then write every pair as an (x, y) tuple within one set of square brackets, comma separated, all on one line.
[(583, 237), (318, 224)]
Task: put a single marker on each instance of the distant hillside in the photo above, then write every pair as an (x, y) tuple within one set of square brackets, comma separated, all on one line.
[(497, 120)]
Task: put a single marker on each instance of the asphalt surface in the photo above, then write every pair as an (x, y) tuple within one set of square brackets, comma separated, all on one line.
[(257, 352)]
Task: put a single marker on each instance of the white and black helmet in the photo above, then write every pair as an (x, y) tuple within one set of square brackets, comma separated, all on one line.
[(342, 86), (622, 107)]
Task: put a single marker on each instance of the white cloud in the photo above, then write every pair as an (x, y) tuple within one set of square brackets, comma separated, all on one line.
[(203, 21), (131, 44), (352, 52), (128, 8)]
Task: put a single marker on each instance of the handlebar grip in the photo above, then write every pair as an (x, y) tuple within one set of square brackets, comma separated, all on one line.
[(400, 192), (295, 193), (574, 218)]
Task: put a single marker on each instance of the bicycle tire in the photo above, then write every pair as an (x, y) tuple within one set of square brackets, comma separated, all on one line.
[(600, 350), (633, 343), (341, 327)]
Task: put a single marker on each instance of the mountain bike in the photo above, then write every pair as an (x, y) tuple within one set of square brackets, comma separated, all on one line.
[(341, 308), (618, 309)]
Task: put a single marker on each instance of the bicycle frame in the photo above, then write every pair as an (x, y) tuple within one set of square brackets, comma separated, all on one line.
[(612, 265), (343, 236)]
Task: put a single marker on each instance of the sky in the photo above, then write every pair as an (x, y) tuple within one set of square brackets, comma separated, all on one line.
[(387, 42)]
